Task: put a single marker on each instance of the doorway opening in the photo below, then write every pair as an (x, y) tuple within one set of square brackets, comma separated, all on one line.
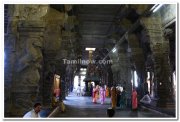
[(78, 81)]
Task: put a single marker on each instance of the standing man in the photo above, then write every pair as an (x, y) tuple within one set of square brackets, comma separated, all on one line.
[(34, 113)]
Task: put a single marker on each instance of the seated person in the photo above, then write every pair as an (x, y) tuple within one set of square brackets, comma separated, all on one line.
[(146, 99), (34, 113)]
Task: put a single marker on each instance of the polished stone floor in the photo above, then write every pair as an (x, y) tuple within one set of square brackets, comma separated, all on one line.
[(80, 106)]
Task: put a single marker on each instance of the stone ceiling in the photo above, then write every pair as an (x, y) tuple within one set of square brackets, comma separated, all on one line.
[(99, 23)]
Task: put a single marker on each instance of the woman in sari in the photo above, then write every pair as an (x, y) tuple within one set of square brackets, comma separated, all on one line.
[(113, 97), (102, 94), (134, 100)]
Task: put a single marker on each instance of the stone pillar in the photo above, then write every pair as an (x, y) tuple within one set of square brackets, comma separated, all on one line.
[(10, 40), (160, 52), (110, 77), (137, 58), (24, 40), (125, 74), (54, 52), (29, 58), (121, 67)]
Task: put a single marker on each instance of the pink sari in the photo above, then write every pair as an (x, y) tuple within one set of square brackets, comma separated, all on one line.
[(102, 95)]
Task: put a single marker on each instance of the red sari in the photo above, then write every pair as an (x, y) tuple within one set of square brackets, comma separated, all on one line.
[(134, 99), (94, 95)]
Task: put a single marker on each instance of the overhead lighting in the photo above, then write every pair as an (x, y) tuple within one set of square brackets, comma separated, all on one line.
[(83, 69), (114, 50), (83, 73), (156, 7), (90, 49)]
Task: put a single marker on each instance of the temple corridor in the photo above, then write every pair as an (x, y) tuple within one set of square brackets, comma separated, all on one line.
[(125, 53)]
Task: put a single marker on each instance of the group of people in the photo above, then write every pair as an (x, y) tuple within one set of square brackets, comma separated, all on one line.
[(99, 92), (117, 94), (118, 97)]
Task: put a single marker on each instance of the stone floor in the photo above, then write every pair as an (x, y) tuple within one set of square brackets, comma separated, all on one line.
[(83, 107)]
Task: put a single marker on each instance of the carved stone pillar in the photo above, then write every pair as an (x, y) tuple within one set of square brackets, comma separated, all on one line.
[(137, 58), (54, 53), (121, 67), (28, 62), (24, 37), (160, 52), (125, 74)]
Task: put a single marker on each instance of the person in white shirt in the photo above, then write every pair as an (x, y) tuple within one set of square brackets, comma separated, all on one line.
[(34, 113), (78, 90)]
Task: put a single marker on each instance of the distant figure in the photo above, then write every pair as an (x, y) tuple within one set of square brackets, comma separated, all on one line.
[(118, 92), (97, 92), (94, 98), (134, 100), (34, 113), (113, 97), (57, 93), (107, 92), (102, 94), (83, 91), (91, 89), (78, 90), (71, 88), (146, 99), (123, 98)]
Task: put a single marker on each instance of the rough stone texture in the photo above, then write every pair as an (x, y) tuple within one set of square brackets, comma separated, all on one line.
[(138, 62), (140, 8), (28, 62), (33, 29), (10, 40), (54, 21), (24, 57), (58, 46), (30, 12), (121, 70), (125, 23), (24, 42), (160, 56)]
